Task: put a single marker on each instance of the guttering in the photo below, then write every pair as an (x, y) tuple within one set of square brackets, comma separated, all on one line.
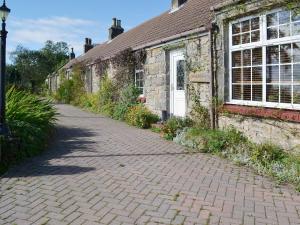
[(214, 30)]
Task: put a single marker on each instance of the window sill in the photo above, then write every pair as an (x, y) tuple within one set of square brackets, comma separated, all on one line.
[(268, 113)]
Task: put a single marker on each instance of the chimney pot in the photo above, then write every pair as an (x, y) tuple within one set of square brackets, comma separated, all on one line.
[(119, 23), (116, 29), (88, 45), (72, 54), (114, 23), (177, 3)]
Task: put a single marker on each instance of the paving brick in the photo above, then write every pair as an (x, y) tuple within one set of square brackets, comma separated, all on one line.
[(103, 172)]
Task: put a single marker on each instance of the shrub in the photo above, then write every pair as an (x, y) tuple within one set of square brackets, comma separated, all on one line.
[(64, 93), (128, 98), (90, 101), (30, 119), (263, 158), (141, 117), (174, 125), (267, 153), (107, 96)]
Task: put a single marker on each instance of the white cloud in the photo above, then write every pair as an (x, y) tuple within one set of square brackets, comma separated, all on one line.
[(34, 33)]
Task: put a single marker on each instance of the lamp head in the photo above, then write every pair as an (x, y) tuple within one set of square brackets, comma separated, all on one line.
[(4, 11)]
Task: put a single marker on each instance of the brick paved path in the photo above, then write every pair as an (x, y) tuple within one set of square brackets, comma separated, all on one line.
[(100, 171)]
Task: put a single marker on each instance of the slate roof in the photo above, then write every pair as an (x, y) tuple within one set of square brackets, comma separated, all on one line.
[(195, 14)]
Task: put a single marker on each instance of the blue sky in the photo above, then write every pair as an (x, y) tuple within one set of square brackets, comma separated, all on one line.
[(32, 22)]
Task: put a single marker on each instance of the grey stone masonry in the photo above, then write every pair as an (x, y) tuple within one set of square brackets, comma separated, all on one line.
[(283, 133), (157, 72)]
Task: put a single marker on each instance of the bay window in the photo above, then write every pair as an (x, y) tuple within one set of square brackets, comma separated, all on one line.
[(265, 60)]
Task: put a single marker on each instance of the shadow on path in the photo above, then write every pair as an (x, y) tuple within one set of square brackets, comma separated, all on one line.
[(66, 141)]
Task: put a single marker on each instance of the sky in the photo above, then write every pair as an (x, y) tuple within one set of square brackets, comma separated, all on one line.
[(33, 22)]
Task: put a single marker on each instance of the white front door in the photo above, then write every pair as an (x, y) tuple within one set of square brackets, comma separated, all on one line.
[(177, 84)]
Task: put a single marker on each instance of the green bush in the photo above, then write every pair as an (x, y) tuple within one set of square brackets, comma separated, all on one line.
[(141, 117), (107, 96), (65, 91), (70, 91), (128, 98), (229, 143), (267, 153), (174, 125), (30, 119)]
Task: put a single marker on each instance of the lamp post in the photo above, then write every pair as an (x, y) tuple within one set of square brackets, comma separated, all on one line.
[(4, 12)]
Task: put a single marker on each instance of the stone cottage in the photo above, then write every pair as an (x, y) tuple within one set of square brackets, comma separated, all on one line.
[(241, 59)]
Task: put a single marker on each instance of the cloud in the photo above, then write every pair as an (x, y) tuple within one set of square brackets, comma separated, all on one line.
[(33, 33)]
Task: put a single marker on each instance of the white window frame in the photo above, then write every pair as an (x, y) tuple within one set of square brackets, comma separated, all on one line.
[(135, 79), (263, 43)]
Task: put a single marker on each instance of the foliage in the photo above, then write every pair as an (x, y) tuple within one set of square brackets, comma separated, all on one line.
[(174, 125), (107, 96), (71, 90), (199, 114), (128, 98), (64, 93), (264, 158), (78, 88), (30, 119), (141, 117), (30, 68)]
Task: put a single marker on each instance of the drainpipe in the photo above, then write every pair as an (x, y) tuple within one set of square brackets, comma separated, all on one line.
[(214, 80)]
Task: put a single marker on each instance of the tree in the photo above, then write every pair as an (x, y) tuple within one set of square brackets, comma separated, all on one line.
[(33, 66)]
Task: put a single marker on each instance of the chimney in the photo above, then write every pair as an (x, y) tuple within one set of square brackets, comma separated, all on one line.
[(72, 54), (177, 3), (88, 45), (116, 29)]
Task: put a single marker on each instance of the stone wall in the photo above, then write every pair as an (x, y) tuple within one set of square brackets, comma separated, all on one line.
[(259, 130), (157, 73), (285, 134), (156, 84)]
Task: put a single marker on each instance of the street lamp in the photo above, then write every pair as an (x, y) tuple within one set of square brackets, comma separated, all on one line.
[(4, 12)]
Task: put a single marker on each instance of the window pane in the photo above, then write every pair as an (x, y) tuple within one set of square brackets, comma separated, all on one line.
[(245, 38), (273, 55), (247, 93), (236, 75), (247, 58), (255, 23), (255, 36), (295, 15), (286, 73), (272, 33), (237, 92), (296, 51), (236, 40), (257, 56), (285, 54), (246, 26), (272, 19), (286, 94), (272, 74), (257, 75), (296, 28), (247, 75), (284, 17), (297, 74), (284, 31), (272, 93), (236, 28), (180, 74), (257, 93), (236, 59), (297, 94)]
